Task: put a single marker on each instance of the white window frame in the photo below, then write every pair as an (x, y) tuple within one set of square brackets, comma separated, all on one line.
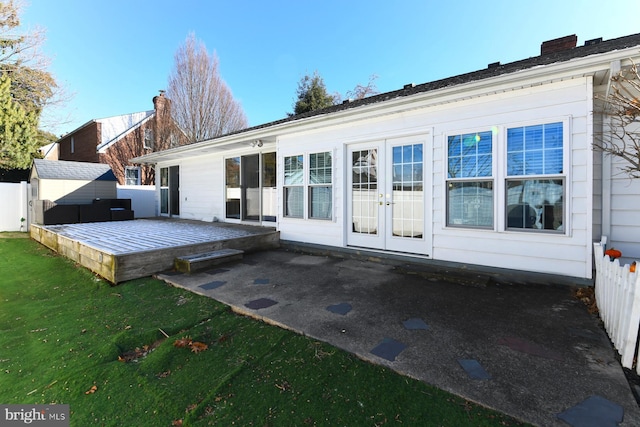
[(326, 185), (138, 174), (306, 186), (492, 178), (500, 177), (564, 175), (298, 185)]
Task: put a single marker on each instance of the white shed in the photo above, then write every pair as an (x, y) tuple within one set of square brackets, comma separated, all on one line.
[(66, 183)]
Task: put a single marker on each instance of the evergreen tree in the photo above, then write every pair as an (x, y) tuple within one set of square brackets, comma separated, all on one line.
[(312, 95), (18, 130), (31, 86)]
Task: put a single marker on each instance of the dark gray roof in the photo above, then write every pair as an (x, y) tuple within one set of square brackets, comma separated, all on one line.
[(82, 171), (590, 48)]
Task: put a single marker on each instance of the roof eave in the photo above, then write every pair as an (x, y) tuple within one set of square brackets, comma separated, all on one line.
[(102, 148)]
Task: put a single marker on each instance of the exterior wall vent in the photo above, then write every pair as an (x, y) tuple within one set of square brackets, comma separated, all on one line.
[(593, 41)]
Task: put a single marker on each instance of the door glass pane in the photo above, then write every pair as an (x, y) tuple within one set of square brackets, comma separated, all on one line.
[(164, 177), (164, 200), (232, 186), (408, 194), (250, 170), (164, 190), (174, 188), (269, 187), (364, 191)]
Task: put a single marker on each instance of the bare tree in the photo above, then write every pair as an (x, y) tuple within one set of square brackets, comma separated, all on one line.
[(621, 125), (202, 103), (361, 92)]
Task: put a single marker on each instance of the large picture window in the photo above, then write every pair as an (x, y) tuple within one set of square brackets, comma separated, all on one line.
[(470, 180), (535, 183)]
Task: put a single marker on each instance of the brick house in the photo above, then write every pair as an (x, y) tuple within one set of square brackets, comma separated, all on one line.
[(115, 140)]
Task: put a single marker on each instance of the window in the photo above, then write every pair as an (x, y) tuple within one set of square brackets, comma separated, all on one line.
[(535, 177), (131, 175), (313, 181), (293, 186), (320, 190), (73, 145), (148, 139), (470, 180)]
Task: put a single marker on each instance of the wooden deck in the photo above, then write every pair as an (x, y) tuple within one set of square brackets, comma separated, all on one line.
[(126, 250)]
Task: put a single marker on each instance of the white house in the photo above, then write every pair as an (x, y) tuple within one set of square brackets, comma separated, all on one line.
[(494, 168)]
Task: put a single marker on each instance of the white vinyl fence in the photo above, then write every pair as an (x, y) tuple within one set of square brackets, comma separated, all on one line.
[(617, 292), (14, 210), (14, 203), (143, 199)]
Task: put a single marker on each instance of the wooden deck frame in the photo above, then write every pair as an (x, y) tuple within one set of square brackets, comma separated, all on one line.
[(117, 268)]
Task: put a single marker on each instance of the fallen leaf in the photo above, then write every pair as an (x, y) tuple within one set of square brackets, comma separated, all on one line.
[(92, 390), (177, 423), (182, 342), (197, 347)]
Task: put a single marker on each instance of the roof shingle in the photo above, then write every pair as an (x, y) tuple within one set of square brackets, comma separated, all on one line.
[(82, 171)]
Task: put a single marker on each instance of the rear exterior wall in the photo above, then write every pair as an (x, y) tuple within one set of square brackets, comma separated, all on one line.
[(565, 253)]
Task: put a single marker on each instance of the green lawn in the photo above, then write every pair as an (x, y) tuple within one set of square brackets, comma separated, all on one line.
[(63, 330)]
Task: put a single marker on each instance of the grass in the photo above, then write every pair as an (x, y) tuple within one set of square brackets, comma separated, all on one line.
[(62, 331)]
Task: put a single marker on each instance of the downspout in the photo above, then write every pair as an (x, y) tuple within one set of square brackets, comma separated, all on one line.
[(614, 69)]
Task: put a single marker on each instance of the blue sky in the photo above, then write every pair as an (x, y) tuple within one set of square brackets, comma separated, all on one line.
[(113, 56)]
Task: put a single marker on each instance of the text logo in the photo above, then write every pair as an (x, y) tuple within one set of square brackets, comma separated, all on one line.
[(35, 415)]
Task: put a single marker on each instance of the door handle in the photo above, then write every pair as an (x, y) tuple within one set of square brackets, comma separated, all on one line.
[(391, 203)]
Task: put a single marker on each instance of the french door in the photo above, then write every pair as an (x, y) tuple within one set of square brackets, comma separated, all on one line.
[(387, 197)]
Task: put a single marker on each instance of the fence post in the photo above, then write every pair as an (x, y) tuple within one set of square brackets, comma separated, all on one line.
[(630, 343), (24, 206)]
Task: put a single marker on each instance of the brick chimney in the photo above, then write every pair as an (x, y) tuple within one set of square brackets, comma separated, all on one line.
[(558, 45), (160, 102)]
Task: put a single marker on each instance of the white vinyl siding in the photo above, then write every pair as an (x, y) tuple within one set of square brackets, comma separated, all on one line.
[(68, 192), (623, 229)]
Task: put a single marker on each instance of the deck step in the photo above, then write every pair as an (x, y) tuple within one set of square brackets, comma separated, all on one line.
[(193, 263)]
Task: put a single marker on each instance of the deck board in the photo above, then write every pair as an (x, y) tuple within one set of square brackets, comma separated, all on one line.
[(125, 237)]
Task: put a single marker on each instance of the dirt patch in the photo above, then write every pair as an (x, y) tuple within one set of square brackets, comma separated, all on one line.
[(14, 235)]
